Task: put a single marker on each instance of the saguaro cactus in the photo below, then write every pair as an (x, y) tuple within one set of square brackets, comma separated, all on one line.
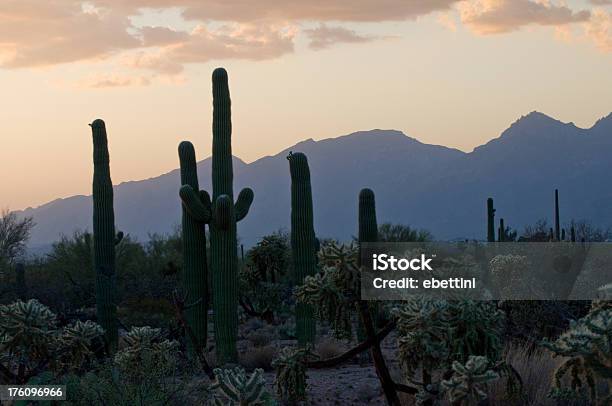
[(303, 241), (502, 231), (224, 214), (104, 236), (195, 267), (557, 225), (490, 220), (368, 232)]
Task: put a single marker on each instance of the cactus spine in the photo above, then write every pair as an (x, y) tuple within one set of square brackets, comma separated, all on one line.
[(195, 268), (557, 225), (490, 220), (303, 241), (104, 236), (224, 214)]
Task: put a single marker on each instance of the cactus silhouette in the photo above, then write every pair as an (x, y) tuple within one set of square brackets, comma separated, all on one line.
[(368, 232), (195, 267), (490, 220), (224, 214), (303, 241), (557, 225), (104, 236)]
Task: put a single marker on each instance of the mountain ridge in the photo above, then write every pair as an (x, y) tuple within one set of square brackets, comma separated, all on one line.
[(451, 185)]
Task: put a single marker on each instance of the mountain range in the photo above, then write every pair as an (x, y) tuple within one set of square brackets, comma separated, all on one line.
[(441, 189)]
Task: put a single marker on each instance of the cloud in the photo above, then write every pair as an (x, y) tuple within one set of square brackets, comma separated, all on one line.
[(601, 2), (447, 21), (312, 10), (324, 36), (500, 16), (106, 81), (45, 33), (35, 33), (599, 29)]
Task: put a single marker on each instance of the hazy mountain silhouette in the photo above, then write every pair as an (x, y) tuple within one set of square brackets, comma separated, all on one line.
[(441, 189)]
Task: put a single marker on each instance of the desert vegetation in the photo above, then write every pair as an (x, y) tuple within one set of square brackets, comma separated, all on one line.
[(184, 318)]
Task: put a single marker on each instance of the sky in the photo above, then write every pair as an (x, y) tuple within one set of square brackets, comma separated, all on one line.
[(446, 72)]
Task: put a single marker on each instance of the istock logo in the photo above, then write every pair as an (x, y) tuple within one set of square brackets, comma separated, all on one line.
[(384, 262)]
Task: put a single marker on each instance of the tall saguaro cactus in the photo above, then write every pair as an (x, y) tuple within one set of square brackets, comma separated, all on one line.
[(195, 267), (490, 220), (368, 232), (303, 241), (104, 236), (224, 214), (557, 225)]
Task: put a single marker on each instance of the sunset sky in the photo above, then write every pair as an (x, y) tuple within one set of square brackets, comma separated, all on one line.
[(446, 72)]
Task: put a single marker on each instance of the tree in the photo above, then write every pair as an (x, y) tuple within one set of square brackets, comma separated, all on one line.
[(270, 257), (388, 232), (14, 234)]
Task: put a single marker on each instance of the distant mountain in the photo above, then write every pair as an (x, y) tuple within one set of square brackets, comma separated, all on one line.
[(428, 186)]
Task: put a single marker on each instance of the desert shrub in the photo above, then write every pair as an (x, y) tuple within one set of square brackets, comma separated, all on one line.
[(259, 357), (262, 336), (531, 321), (157, 312), (509, 274), (234, 387)]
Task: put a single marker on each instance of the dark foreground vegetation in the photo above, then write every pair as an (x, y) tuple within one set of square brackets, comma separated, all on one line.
[(191, 318)]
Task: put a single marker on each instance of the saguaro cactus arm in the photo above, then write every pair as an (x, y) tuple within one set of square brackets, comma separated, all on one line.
[(224, 208), (197, 207), (243, 203)]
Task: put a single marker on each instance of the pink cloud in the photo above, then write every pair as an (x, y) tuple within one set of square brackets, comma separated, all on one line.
[(599, 30), (500, 16), (324, 36)]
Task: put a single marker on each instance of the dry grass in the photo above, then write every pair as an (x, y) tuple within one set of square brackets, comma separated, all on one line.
[(536, 370)]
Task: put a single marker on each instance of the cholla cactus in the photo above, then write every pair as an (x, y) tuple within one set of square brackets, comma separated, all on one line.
[(333, 292), (324, 292), (509, 273), (76, 342), (587, 347), (29, 338), (469, 380), (233, 387), (27, 329), (146, 342), (433, 334), (291, 373)]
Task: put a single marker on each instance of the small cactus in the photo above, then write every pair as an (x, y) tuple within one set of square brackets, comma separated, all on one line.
[(490, 220), (585, 347), (234, 387), (469, 380), (291, 376)]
